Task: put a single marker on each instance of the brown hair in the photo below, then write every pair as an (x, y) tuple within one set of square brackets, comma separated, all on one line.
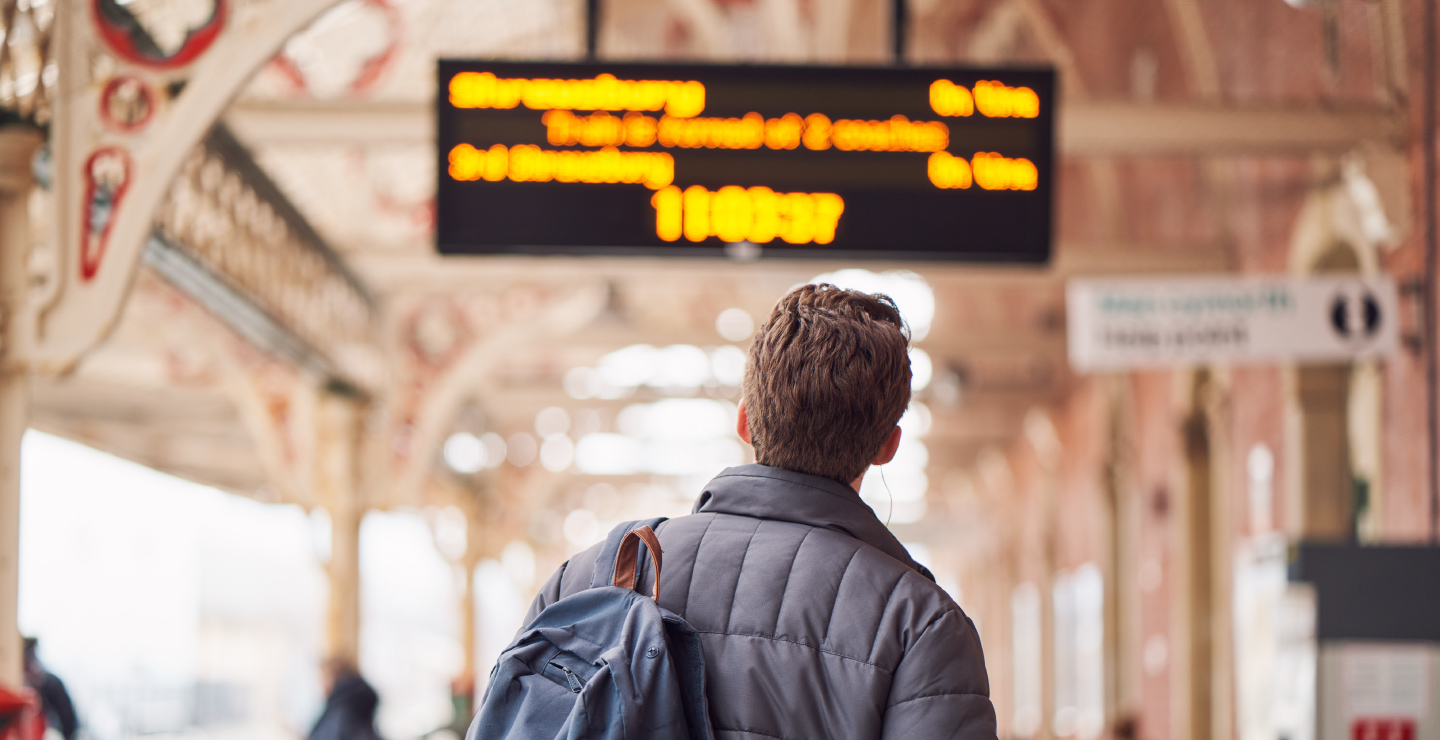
[(827, 378)]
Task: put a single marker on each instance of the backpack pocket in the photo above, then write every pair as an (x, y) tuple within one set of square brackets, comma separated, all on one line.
[(567, 670)]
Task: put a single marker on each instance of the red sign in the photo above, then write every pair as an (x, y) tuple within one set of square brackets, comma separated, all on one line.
[(1382, 728), (20, 715)]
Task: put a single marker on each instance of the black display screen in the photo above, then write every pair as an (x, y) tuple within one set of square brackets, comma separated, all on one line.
[(683, 159)]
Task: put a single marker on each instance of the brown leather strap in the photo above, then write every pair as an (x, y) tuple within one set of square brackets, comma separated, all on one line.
[(625, 558)]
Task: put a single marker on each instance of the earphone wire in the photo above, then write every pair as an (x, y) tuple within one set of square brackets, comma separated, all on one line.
[(891, 512)]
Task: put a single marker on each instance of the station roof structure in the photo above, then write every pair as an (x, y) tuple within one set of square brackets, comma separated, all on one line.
[(341, 125)]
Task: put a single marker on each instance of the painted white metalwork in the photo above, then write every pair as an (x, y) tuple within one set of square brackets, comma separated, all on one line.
[(122, 129), (226, 218)]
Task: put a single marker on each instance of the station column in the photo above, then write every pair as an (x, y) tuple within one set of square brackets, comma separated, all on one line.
[(13, 401), (338, 488), (17, 150)]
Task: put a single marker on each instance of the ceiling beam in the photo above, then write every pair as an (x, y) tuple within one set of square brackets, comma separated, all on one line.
[(1084, 129), (342, 122), (429, 272), (1132, 129), (190, 433)]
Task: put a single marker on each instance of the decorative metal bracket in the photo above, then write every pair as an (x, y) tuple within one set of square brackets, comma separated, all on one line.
[(123, 123)]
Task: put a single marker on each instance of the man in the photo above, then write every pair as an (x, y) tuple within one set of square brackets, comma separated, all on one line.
[(815, 622), (350, 704), (59, 710)]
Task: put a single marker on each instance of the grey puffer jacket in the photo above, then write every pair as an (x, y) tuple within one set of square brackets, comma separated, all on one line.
[(814, 620)]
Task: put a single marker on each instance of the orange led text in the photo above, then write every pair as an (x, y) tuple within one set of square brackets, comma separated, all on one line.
[(599, 129), (736, 214), (994, 172), (604, 92), (989, 170), (949, 171), (993, 100), (529, 163), (950, 99), (899, 134), (996, 100), (713, 133), (816, 131)]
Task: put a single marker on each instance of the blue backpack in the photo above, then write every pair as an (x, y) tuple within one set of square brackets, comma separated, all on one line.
[(606, 662)]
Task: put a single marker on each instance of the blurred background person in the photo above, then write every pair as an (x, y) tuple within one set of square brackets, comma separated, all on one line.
[(350, 705), (59, 710)]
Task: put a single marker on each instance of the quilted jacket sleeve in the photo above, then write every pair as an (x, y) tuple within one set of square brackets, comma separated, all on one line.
[(940, 689)]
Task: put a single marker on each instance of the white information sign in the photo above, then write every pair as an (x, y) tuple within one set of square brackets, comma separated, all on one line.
[(1116, 324)]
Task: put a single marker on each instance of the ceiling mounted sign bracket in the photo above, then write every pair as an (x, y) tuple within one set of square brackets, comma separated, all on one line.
[(899, 25), (592, 29)]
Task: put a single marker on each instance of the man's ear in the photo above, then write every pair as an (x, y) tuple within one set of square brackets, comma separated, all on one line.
[(887, 453), (742, 423)]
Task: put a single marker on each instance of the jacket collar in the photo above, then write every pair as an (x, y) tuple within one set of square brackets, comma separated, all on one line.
[(763, 492)]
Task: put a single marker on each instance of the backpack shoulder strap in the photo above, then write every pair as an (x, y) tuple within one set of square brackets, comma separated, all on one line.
[(609, 563)]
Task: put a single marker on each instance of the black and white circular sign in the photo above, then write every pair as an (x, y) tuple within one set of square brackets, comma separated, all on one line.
[(1355, 314)]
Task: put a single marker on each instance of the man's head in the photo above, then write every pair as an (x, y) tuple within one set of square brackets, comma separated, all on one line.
[(34, 670), (826, 381)]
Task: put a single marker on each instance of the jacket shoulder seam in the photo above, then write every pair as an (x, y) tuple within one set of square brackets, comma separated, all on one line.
[(875, 644), (749, 731), (690, 584), (776, 638), (835, 604), (730, 615), (945, 611), (784, 590), (938, 695)]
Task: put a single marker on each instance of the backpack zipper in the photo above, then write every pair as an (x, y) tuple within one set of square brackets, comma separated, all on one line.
[(570, 678)]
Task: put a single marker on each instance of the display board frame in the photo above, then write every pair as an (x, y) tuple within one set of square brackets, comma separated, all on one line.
[(892, 206)]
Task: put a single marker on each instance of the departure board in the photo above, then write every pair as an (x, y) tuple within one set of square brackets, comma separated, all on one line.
[(896, 163)]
